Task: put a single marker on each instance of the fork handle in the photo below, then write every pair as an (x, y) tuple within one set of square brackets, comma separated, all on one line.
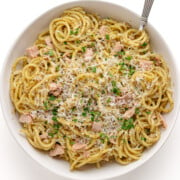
[(146, 10)]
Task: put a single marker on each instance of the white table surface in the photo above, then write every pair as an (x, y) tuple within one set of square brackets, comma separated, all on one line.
[(15, 15)]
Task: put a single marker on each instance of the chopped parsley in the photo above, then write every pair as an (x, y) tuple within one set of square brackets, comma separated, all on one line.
[(51, 53), (75, 120), (78, 41), (113, 83), (120, 119), (143, 138), (107, 36), (103, 136), (65, 42), (56, 126), (92, 44), (92, 117), (46, 105), (86, 109), (128, 58), (94, 114), (73, 109), (54, 118), (89, 102), (116, 91), (84, 114), (120, 53), (103, 91), (77, 31), (64, 136), (51, 134), (84, 49), (144, 44), (110, 74), (137, 111), (52, 98), (127, 124), (131, 70), (55, 111), (148, 112), (57, 68), (108, 100), (123, 66), (93, 69), (72, 142), (74, 32)]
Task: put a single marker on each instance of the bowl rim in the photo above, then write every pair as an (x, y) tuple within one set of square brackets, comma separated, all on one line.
[(5, 62)]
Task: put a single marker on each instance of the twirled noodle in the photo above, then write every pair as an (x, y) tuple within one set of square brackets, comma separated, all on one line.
[(91, 90)]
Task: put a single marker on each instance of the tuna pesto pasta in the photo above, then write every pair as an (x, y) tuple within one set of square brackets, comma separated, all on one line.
[(91, 90)]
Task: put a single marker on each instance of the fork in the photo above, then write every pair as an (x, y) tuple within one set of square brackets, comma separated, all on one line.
[(146, 10)]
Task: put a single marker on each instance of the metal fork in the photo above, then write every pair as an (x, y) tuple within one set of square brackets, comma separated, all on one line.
[(146, 10)]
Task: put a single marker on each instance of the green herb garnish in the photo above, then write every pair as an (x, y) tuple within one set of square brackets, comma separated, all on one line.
[(75, 120), (73, 109), (84, 49), (57, 68), (128, 124), (93, 69), (128, 58), (46, 105), (56, 126), (148, 112), (77, 31), (51, 134), (72, 142), (54, 118), (51, 53), (110, 74), (71, 32), (94, 114), (119, 53), (84, 114), (137, 111), (144, 44), (143, 138), (92, 44), (86, 109), (78, 41), (107, 36), (116, 91), (103, 91), (120, 119), (113, 83), (52, 98), (108, 100), (89, 102), (131, 70), (103, 136), (65, 42), (55, 111)]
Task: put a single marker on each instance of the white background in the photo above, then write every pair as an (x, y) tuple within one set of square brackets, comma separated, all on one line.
[(15, 15)]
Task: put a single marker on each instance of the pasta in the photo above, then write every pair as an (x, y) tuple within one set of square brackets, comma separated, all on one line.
[(91, 90)]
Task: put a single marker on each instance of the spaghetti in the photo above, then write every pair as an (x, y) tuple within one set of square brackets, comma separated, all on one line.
[(91, 90)]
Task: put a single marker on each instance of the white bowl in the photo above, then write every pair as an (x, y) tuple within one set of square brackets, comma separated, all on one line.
[(26, 39)]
